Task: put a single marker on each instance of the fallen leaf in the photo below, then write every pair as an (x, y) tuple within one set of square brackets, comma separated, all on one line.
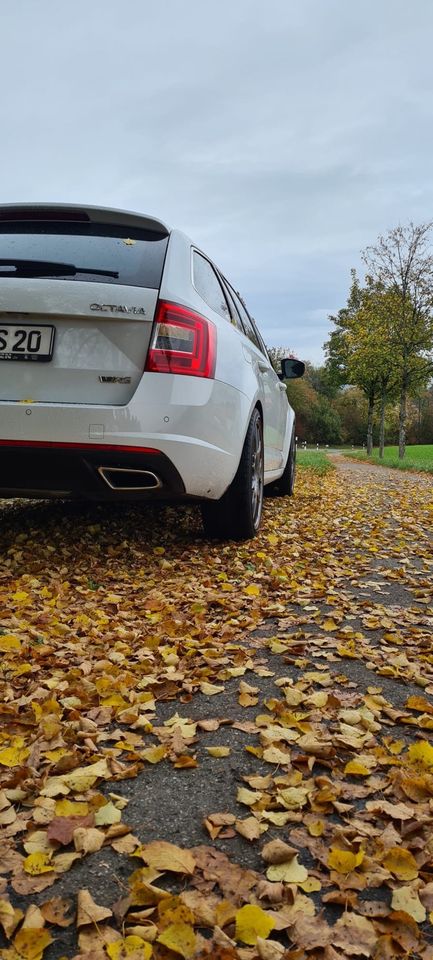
[(344, 861), (30, 943), (401, 863), (252, 922), (167, 856), (88, 911), (290, 872), (129, 948), (88, 839), (180, 938), (407, 899)]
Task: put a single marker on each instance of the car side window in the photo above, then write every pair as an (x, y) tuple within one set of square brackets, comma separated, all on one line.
[(236, 318), (208, 286), (248, 326)]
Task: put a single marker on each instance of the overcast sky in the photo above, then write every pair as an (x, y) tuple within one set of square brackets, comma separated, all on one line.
[(282, 136)]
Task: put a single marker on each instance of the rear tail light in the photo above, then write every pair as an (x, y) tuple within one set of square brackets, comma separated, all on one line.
[(183, 342)]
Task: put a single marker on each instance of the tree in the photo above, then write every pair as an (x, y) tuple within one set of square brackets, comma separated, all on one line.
[(372, 364), (401, 263), (351, 406), (317, 421), (277, 354), (352, 353)]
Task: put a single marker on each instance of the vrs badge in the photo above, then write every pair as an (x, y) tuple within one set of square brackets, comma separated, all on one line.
[(103, 379)]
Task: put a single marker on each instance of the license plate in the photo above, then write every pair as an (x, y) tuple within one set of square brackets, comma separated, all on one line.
[(26, 342)]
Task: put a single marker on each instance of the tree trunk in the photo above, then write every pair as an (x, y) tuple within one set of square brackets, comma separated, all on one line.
[(382, 423), (402, 420), (370, 425)]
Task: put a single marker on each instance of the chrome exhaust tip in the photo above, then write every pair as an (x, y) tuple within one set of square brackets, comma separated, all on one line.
[(124, 478)]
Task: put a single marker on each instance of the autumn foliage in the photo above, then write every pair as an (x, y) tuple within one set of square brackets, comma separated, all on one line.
[(108, 617)]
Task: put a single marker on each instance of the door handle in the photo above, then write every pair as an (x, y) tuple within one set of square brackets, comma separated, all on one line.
[(282, 386), (263, 367)]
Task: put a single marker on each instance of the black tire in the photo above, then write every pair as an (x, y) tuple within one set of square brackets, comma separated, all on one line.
[(285, 486), (237, 515)]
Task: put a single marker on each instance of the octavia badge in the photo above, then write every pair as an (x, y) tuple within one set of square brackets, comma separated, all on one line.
[(117, 308)]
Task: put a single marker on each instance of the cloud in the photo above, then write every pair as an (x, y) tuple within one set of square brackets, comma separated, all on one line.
[(283, 138)]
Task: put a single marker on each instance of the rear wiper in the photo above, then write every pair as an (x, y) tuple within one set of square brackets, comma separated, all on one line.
[(48, 268)]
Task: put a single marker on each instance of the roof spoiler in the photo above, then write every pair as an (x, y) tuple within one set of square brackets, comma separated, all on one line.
[(69, 212)]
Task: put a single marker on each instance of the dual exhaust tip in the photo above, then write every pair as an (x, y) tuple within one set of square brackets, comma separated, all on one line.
[(122, 478)]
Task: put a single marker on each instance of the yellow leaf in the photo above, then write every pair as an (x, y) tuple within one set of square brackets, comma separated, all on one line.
[(13, 756), (276, 817), (293, 797), (71, 808), (421, 753), (129, 948), (153, 754), (187, 727), (30, 942), (311, 885), (9, 643), (174, 910), (114, 700), (107, 814), (21, 596), (290, 872), (401, 863), (21, 668), (37, 863), (252, 922), (357, 769), (218, 751), (396, 746), (414, 703), (253, 591), (55, 755), (78, 780), (329, 625), (180, 938), (316, 828), (248, 797), (344, 861)]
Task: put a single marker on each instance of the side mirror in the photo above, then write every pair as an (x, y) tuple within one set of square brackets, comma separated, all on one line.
[(291, 369)]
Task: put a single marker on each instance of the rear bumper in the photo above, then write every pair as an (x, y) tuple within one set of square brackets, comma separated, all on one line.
[(195, 427), (88, 471)]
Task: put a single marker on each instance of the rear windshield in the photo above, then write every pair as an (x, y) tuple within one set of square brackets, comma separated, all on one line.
[(98, 253)]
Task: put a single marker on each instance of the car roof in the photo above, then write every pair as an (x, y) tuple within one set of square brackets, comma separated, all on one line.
[(80, 212)]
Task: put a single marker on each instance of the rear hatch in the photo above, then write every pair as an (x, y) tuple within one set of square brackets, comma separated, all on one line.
[(78, 291)]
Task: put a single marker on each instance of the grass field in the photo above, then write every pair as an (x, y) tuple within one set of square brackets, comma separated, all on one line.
[(416, 458), (316, 460)]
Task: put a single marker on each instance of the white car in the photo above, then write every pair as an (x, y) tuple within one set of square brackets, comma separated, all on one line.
[(131, 369)]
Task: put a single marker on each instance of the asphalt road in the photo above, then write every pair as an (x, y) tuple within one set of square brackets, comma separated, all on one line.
[(171, 804)]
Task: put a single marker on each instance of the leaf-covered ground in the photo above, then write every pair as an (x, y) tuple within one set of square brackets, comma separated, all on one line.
[(216, 750)]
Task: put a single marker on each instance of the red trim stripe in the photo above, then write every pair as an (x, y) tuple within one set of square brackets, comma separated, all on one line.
[(53, 444)]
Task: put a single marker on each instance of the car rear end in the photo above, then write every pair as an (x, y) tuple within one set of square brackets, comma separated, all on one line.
[(108, 386)]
